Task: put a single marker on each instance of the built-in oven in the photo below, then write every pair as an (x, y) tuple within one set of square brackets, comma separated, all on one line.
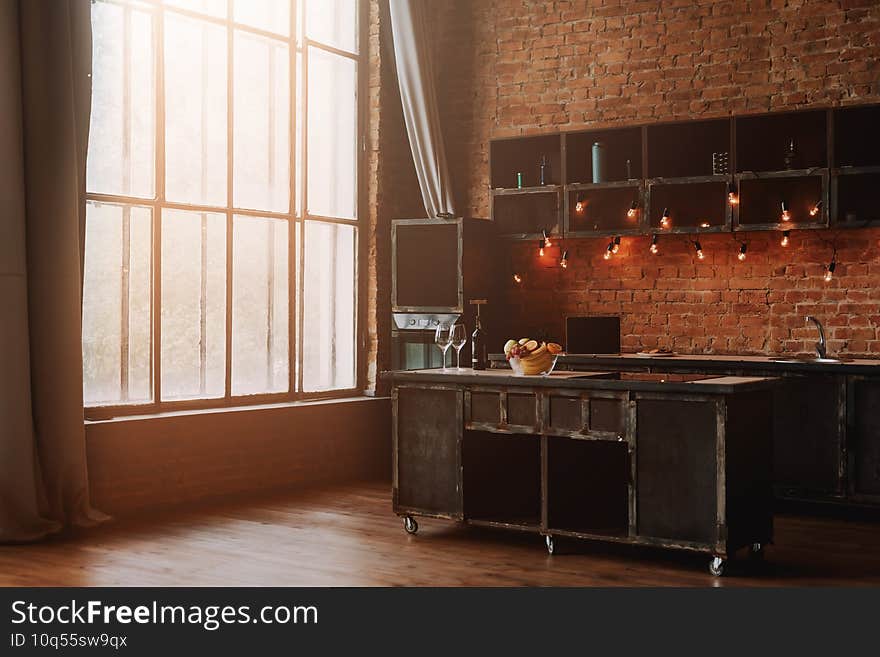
[(412, 340)]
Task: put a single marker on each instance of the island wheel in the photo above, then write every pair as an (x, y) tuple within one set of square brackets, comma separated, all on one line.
[(717, 566), (410, 525)]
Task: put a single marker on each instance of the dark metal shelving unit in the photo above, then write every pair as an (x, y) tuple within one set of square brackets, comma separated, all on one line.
[(837, 161)]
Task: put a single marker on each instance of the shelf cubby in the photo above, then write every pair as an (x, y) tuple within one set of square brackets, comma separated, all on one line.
[(695, 206), (587, 486), (523, 155), (619, 145), (602, 209), (857, 136), (761, 197), (524, 213), (762, 141), (502, 476), (685, 149), (856, 198)]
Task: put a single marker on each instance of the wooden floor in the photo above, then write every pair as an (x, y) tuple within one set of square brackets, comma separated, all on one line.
[(349, 537)]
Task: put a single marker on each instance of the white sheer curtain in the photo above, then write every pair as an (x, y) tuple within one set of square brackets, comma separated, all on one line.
[(415, 75)]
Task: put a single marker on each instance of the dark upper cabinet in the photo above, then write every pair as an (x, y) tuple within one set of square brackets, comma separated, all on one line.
[(426, 262)]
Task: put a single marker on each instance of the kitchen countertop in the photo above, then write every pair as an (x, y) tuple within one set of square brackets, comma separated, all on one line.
[(721, 385), (857, 366)]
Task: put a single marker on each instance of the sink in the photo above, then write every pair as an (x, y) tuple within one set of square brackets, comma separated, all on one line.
[(805, 359)]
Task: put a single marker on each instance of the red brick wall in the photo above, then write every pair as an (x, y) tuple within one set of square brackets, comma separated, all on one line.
[(512, 67)]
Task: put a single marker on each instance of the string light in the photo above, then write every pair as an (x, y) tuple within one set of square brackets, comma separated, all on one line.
[(517, 278), (664, 220), (609, 250), (732, 195), (541, 248), (829, 270), (786, 234), (564, 262), (815, 209), (705, 224), (633, 210), (742, 251), (786, 215), (699, 249), (547, 241), (654, 249), (579, 206), (616, 245)]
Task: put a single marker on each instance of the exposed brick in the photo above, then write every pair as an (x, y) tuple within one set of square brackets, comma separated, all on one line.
[(508, 67)]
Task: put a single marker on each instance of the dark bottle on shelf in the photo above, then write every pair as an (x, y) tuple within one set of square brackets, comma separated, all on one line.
[(544, 170), (479, 351)]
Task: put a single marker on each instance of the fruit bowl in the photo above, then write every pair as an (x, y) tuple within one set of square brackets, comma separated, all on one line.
[(527, 357), (538, 365)]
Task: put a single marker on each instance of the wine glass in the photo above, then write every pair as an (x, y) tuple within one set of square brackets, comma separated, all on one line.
[(443, 338), (459, 338)]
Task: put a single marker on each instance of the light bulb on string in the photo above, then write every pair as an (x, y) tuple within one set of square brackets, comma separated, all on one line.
[(699, 249), (786, 214), (786, 234), (633, 210), (541, 248), (654, 248), (564, 261), (547, 241), (742, 251), (517, 278), (816, 209), (732, 195), (580, 205), (665, 220), (829, 270), (616, 247), (609, 250)]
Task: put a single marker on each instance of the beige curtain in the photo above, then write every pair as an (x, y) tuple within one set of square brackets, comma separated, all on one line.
[(45, 61)]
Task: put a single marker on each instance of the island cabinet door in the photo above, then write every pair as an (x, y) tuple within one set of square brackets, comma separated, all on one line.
[(427, 428), (676, 470)]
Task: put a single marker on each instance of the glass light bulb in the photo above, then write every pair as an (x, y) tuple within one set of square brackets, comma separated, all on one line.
[(741, 256), (654, 249), (733, 198), (786, 215)]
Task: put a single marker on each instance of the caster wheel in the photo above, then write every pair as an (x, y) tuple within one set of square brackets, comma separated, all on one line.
[(717, 566), (550, 545), (756, 551), (410, 525)]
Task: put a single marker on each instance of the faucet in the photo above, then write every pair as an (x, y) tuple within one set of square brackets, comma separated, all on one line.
[(821, 348)]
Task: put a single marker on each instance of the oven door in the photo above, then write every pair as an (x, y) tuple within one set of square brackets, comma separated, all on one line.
[(415, 350)]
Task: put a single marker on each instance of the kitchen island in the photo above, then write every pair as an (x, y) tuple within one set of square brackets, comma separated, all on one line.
[(826, 433), (678, 461)]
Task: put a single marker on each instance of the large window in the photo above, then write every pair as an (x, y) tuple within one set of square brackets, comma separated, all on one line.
[(223, 203)]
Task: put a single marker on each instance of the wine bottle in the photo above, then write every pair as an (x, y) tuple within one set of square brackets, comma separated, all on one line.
[(479, 351)]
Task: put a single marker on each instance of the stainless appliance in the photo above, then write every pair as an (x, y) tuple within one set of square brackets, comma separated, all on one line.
[(412, 341)]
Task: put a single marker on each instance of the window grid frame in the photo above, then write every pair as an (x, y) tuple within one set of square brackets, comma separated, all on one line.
[(298, 184)]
